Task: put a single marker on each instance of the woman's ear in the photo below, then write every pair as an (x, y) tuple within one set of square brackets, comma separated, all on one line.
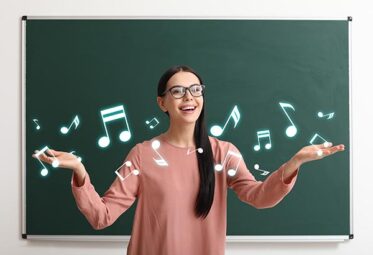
[(160, 102)]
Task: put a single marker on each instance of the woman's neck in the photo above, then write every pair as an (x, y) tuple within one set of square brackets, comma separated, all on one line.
[(181, 135)]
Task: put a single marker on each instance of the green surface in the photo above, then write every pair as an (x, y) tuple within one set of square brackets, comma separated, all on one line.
[(79, 67)]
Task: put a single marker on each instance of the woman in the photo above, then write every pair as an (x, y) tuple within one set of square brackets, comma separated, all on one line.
[(181, 197)]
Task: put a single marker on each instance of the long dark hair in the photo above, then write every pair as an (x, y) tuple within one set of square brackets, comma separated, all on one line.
[(205, 195)]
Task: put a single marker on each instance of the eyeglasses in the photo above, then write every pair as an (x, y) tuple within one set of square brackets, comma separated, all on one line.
[(178, 91)]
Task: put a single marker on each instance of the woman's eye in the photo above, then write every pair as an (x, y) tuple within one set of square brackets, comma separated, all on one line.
[(196, 89), (177, 91)]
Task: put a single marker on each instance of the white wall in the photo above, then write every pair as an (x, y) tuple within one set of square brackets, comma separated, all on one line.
[(10, 110)]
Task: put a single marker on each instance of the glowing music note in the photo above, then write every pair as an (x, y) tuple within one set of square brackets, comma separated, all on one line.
[(199, 150), (231, 171), (264, 172), (161, 161), (109, 115), (152, 121), (217, 130), (325, 143), (290, 130), (128, 164), (65, 130), (261, 135), (37, 124), (78, 158), (328, 116), (44, 170)]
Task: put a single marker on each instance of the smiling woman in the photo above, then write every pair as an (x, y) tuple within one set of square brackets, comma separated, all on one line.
[(187, 125), (182, 198)]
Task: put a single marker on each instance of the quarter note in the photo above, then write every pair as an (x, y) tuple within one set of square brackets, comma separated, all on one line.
[(328, 116), (231, 171), (151, 122), (160, 161), (264, 172), (290, 130), (37, 124), (64, 130), (44, 170), (217, 130), (199, 150), (128, 164), (111, 114), (264, 134)]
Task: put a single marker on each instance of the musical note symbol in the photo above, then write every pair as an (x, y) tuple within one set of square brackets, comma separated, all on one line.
[(261, 135), (315, 136), (128, 164), (231, 171), (44, 170), (322, 115), (290, 130), (152, 120), (325, 143), (109, 115), (78, 158), (161, 162), (217, 130), (37, 124), (65, 130), (264, 172), (199, 150)]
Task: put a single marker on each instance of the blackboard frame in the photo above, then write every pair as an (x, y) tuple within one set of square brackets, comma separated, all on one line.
[(316, 238)]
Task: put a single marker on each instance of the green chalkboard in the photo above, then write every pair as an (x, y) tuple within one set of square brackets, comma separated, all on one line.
[(79, 67)]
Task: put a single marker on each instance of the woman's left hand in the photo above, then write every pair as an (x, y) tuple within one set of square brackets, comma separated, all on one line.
[(318, 151)]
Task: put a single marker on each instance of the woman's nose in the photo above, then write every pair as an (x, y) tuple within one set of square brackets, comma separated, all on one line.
[(188, 95)]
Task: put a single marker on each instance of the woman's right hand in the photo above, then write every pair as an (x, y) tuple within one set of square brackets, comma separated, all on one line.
[(64, 160)]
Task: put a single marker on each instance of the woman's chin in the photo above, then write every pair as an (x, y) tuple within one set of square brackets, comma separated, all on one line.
[(187, 120)]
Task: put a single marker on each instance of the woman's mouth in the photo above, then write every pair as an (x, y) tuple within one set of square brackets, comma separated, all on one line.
[(187, 108)]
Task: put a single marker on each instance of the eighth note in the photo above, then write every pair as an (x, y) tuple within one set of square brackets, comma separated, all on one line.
[(217, 130), (325, 142), (261, 135), (264, 172), (65, 130), (111, 114), (128, 164), (231, 171), (44, 170), (161, 161), (328, 116), (37, 124), (152, 121), (290, 130)]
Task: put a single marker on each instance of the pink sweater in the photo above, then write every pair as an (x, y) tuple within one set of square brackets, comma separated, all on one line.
[(165, 222)]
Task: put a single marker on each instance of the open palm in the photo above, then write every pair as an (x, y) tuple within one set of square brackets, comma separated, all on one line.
[(319, 151), (59, 159)]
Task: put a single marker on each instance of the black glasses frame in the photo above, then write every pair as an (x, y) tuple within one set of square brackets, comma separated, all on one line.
[(185, 90)]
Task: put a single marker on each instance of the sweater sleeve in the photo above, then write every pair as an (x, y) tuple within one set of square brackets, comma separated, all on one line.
[(259, 194), (103, 211)]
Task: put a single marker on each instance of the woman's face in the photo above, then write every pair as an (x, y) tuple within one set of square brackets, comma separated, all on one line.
[(182, 110)]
